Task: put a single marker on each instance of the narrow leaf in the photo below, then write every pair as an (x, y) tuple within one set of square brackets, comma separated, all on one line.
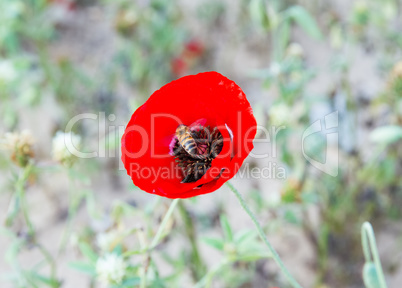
[(244, 236), (227, 231), (88, 252), (45, 280), (214, 242), (386, 134), (370, 276), (303, 18), (83, 267)]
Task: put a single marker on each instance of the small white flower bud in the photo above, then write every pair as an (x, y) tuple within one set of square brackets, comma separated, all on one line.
[(111, 269), (60, 151)]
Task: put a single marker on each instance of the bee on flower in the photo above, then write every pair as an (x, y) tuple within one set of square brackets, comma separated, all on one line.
[(111, 269), (20, 146)]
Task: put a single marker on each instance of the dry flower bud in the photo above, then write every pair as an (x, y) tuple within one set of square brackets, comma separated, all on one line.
[(20, 145)]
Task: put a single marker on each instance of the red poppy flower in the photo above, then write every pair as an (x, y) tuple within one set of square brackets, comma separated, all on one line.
[(70, 5), (217, 126), (178, 66), (193, 48)]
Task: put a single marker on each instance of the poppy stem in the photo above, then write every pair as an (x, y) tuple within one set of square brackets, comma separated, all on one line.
[(197, 266), (165, 220), (275, 255), (155, 241)]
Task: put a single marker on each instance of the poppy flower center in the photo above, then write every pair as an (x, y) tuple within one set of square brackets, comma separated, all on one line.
[(194, 149)]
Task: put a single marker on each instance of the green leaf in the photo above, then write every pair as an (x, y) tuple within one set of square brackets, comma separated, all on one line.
[(283, 37), (75, 174), (254, 256), (386, 134), (291, 217), (258, 12), (88, 252), (14, 208), (130, 282), (370, 276), (252, 248), (83, 267), (214, 242), (118, 249), (12, 252), (227, 231), (244, 236), (27, 275), (303, 18), (45, 280)]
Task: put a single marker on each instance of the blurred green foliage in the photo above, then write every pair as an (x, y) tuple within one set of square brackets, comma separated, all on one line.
[(153, 42)]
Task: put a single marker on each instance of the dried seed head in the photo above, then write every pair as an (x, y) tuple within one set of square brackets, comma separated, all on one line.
[(20, 146)]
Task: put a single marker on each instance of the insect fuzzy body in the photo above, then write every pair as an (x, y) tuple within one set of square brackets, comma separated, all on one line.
[(187, 141)]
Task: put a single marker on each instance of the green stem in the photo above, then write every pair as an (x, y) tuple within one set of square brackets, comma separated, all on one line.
[(143, 273), (143, 270), (51, 263), (207, 279), (197, 266), (158, 235), (370, 250), (20, 187), (155, 241), (72, 211), (165, 220), (275, 255)]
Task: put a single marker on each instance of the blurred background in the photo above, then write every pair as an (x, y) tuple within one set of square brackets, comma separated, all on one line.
[(69, 222)]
